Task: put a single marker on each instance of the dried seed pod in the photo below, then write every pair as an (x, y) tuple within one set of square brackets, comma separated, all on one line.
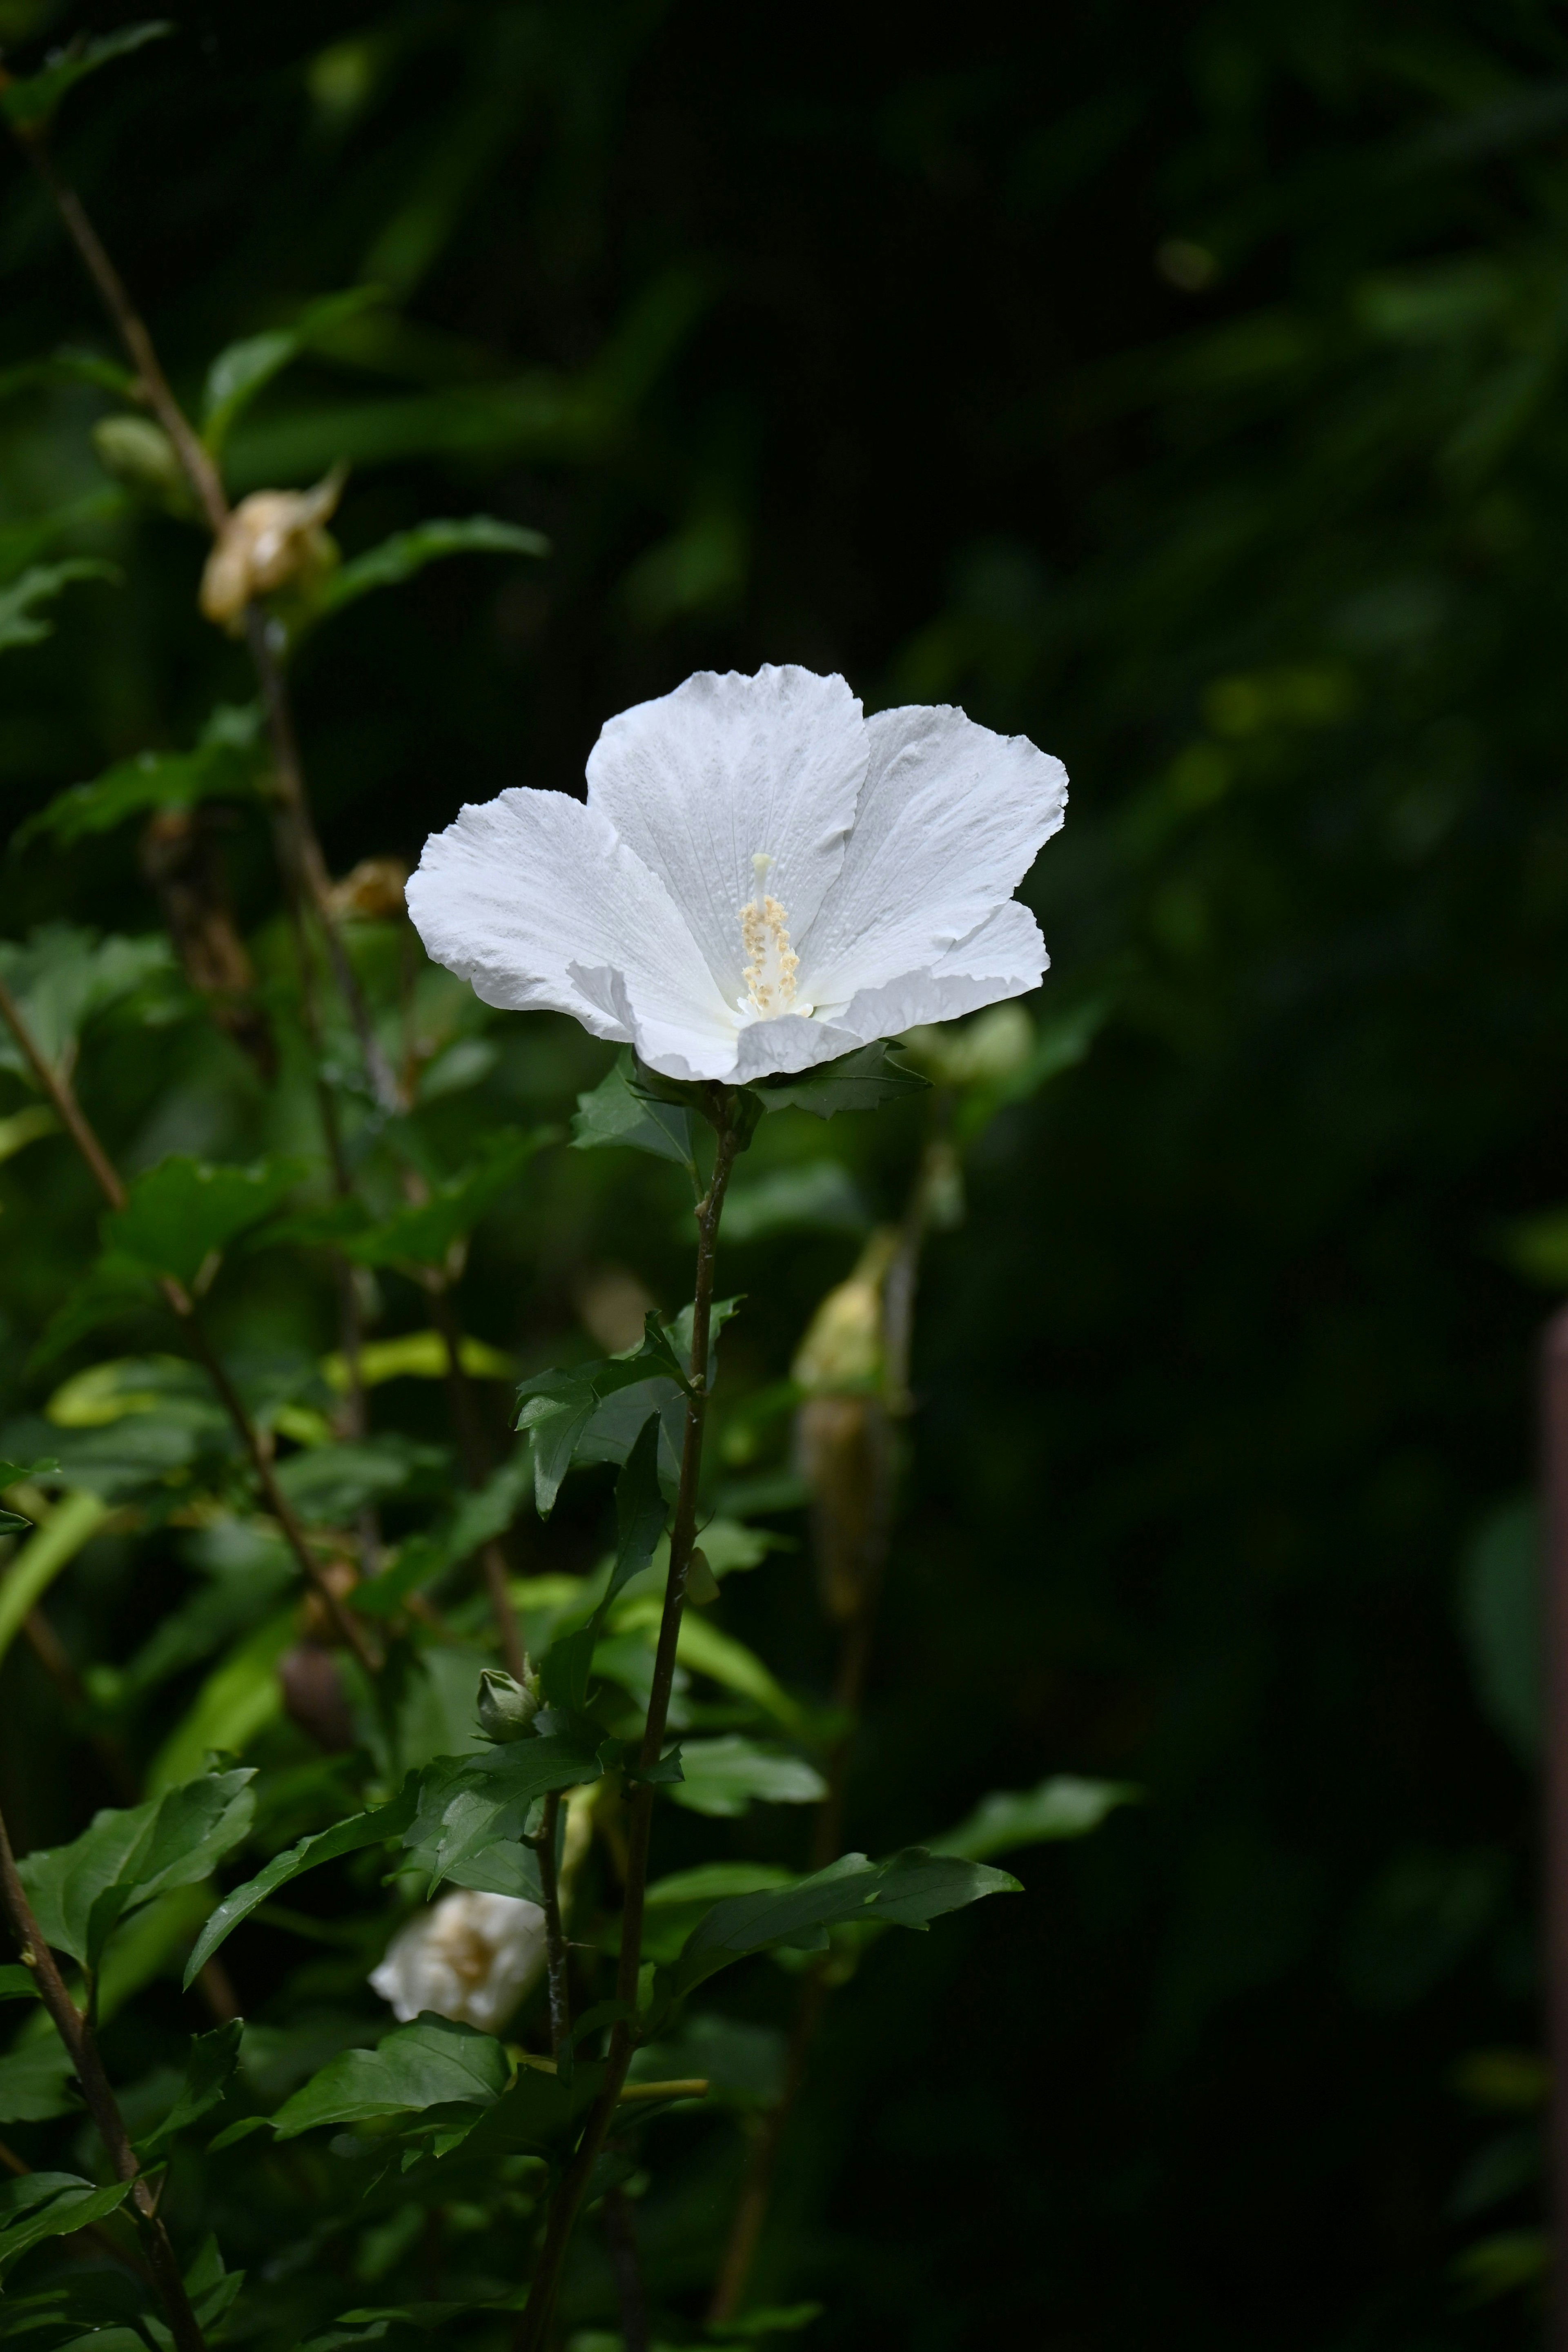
[(273, 540)]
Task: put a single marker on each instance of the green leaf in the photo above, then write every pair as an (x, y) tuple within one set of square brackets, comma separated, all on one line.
[(616, 1111), (725, 1777), (80, 1891), (1059, 1808), (556, 1408), (467, 1803), (62, 977), (640, 1514), (908, 1890), (184, 1210), (432, 2062), (863, 1080), (376, 1826), (50, 2205), (17, 1983), (563, 1669), (224, 764), (35, 2079), (706, 1650), (20, 622), (423, 1234), (328, 1484), (28, 105), (242, 369), (209, 2064), (408, 551)]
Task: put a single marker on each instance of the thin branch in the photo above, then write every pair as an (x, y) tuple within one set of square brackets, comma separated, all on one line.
[(81, 2045), (178, 1298), (554, 1933), (533, 2332)]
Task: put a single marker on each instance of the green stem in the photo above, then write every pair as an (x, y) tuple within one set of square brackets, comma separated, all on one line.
[(570, 2196)]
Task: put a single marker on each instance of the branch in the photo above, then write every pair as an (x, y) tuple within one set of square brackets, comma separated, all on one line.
[(179, 1301), (533, 2332), (82, 2044)]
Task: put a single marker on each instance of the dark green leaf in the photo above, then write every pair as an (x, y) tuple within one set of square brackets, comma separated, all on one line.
[(423, 1234), (909, 1889), (80, 1891), (563, 1669), (617, 1112), (640, 1514), (49, 2205), (1060, 1808), (726, 1776), (17, 1983), (28, 105), (432, 2062), (328, 1484), (375, 1827), (863, 1080), (467, 1803), (555, 1409), (35, 2078), (224, 765), (184, 1210), (819, 1196), (408, 551), (209, 2064), (63, 976), (20, 623), (242, 369)]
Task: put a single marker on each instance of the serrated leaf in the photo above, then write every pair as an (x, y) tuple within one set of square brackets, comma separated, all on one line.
[(907, 1890), (377, 1826), (184, 1210), (616, 1111), (724, 1777), (65, 974), (21, 622), (224, 764), (1059, 1808), (407, 551), (863, 1080), (78, 1892), (50, 2205), (209, 2064), (242, 369), (558, 1408), (433, 2063), (467, 1803)]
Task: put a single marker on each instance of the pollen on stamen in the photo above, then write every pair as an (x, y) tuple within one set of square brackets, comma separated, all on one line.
[(771, 962)]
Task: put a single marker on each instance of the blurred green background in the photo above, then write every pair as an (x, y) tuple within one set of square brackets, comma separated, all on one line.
[(1181, 385)]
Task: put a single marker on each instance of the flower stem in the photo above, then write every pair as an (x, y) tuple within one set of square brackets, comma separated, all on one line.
[(178, 1298), (554, 1934), (76, 2032), (567, 2203)]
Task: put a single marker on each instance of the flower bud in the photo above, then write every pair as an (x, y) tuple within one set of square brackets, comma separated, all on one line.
[(140, 454), (273, 540), (843, 1345), (506, 1706), (993, 1048)]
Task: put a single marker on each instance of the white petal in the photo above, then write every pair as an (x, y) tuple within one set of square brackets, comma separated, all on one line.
[(1006, 957), (950, 819), (531, 898), (726, 768)]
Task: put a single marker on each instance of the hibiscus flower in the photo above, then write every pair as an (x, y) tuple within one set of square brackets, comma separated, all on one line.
[(759, 879)]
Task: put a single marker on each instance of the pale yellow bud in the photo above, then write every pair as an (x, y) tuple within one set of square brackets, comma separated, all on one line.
[(843, 1345), (273, 540), (994, 1047)]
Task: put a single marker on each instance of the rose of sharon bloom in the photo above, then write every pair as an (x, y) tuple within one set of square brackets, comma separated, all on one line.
[(471, 1958), (761, 879)]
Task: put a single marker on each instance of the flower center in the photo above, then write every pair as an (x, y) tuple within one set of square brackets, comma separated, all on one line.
[(771, 963)]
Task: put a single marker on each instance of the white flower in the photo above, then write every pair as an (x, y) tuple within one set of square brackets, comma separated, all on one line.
[(759, 879), (472, 1957)]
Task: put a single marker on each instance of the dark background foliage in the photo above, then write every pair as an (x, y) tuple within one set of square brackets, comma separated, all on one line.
[(1182, 386)]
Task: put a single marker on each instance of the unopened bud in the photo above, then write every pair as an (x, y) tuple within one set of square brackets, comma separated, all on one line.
[(140, 455), (506, 1706), (843, 1345), (273, 540), (701, 1584), (994, 1047)]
